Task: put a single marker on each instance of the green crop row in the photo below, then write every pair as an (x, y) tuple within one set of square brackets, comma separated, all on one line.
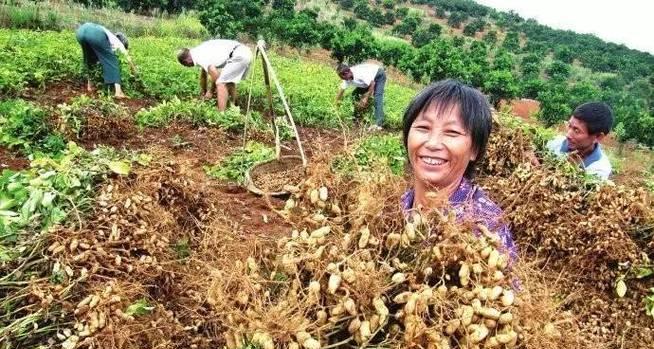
[(37, 59), (24, 127)]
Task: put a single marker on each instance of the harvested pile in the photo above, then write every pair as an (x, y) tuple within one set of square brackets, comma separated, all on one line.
[(593, 233), (274, 175), (152, 266), (356, 273)]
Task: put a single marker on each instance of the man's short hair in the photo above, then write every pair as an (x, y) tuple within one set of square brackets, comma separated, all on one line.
[(342, 68), (183, 54), (598, 117)]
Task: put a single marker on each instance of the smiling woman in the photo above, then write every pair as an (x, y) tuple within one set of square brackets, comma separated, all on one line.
[(446, 129)]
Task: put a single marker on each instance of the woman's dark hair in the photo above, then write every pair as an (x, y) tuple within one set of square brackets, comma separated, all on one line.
[(474, 112), (123, 38), (598, 117)]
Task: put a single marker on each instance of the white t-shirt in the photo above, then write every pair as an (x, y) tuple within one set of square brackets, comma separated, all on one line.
[(116, 44), (596, 163), (362, 75), (213, 52)]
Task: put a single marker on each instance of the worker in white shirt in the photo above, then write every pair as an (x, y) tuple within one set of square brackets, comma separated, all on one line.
[(369, 80), (232, 57), (101, 45)]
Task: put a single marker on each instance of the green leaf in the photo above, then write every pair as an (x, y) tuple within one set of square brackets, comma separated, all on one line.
[(644, 272), (6, 203), (120, 167), (48, 197), (141, 307)]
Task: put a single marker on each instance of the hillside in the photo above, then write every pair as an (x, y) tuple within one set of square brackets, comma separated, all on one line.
[(512, 57)]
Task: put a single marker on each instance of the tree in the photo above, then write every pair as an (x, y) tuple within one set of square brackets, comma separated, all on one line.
[(353, 45), (456, 18), (558, 71), (228, 18), (393, 51), (388, 4), (531, 66), (424, 35), (477, 63), (503, 60), (301, 29), (530, 88), (401, 12), (408, 25), (554, 105), (346, 4), (440, 59), (491, 37), (500, 84), (473, 27), (284, 6), (511, 41), (564, 54), (389, 17)]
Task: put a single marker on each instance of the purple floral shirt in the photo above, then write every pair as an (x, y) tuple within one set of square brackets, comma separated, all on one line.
[(471, 203)]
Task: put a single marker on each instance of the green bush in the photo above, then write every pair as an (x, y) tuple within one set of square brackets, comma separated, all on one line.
[(24, 126), (234, 166), (353, 45), (558, 71), (473, 27), (456, 18), (424, 35), (408, 25)]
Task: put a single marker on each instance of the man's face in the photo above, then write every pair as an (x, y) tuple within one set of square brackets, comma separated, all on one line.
[(187, 61), (346, 75), (579, 139)]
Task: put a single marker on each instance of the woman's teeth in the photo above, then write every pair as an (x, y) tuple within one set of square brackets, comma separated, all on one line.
[(432, 161)]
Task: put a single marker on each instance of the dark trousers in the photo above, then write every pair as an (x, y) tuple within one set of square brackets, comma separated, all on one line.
[(378, 94), (96, 47)]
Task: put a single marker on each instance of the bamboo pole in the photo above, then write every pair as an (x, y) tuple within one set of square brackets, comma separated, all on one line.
[(273, 76)]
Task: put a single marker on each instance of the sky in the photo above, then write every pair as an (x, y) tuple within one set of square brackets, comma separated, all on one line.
[(627, 22)]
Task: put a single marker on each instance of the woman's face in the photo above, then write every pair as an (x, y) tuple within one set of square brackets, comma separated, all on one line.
[(439, 147)]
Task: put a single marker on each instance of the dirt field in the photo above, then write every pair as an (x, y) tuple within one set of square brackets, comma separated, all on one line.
[(213, 224)]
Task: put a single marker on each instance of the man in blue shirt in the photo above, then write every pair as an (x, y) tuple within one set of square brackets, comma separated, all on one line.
[(587, 127)]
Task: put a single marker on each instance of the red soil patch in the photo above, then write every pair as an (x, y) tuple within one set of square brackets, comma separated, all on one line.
[(10, 160), (523, 108), (64, 91)]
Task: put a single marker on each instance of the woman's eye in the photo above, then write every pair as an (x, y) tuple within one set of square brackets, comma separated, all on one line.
[(421, 127), (453, 133)]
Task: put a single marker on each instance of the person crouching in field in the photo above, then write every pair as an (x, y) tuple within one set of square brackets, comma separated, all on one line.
[(101, 45), (369, 79), (445, 133), (232, 57)]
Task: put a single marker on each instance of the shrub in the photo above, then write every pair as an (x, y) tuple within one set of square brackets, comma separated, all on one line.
[(424, 35)]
